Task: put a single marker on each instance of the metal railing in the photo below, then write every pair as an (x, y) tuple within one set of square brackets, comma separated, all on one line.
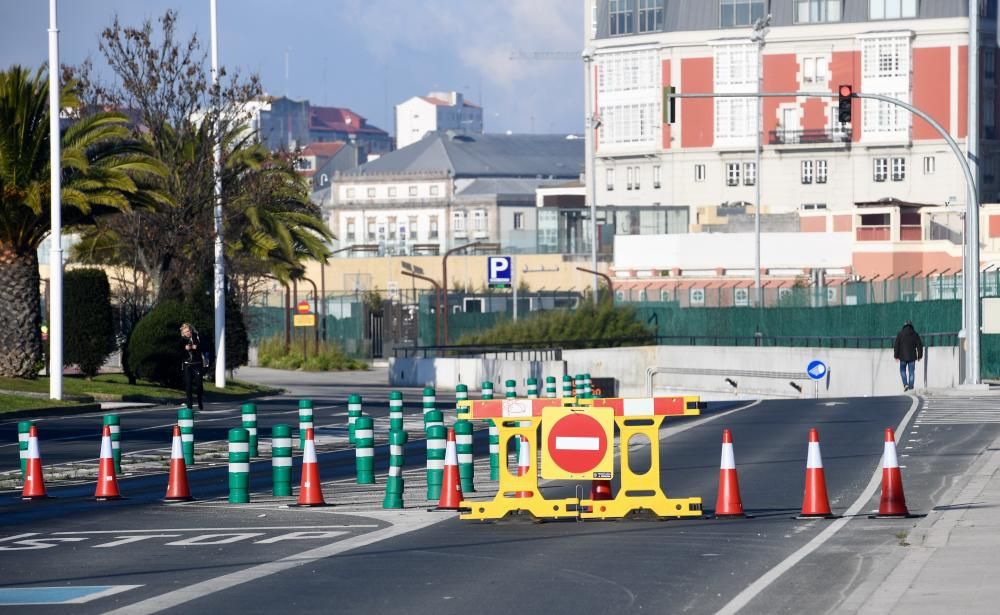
[(810, 136)]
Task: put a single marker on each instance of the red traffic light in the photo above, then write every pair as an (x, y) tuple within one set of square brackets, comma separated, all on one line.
[(846, 90)]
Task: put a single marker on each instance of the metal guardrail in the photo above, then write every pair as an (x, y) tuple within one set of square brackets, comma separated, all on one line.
[(802, 341), (484, 352)]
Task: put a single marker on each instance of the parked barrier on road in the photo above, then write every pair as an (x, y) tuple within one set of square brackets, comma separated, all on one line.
[(281, 460), (395, 411), (239, 466), (394, 483), (436, 443), (364, 451)]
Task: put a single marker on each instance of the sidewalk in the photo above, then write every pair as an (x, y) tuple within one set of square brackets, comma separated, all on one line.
[(952, 563)]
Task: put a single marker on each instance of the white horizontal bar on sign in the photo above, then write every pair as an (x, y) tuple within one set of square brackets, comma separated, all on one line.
[(637, 407), (577, 443)]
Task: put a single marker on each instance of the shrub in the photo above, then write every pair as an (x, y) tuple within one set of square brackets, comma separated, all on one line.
[(155, 351), (271, 353), (201, 301), (88, 333), (586, 326)]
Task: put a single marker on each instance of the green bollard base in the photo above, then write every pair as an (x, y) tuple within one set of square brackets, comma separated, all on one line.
[(366, 479), (282, 490), (392, 502), (239, 498)]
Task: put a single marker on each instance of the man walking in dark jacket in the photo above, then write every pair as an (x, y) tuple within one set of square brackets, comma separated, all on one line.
[(908, 349)]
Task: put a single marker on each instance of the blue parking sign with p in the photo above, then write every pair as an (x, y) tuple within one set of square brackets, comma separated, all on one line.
[(500, 272)]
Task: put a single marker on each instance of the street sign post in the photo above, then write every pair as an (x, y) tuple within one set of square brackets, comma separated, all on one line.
[(577, 444)]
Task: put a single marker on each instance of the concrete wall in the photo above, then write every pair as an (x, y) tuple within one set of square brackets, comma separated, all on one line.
[(853, 372), (446, 373)]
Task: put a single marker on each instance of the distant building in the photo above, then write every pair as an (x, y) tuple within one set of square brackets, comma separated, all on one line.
[(449, 189), (319, 162), (438, 111), (291, 124)]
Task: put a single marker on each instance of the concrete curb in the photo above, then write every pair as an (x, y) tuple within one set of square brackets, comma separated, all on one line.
[(52, 411)]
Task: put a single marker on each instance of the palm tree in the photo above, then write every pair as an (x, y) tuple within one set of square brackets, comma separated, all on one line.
[(103, 170)]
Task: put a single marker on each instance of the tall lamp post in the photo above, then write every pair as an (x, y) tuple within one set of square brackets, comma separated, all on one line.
[(591, 124), (760, 29), (55, 205), (437, 300), (220, 265), (444, 282)]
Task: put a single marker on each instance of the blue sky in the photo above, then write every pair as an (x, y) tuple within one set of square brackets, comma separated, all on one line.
[(364, 54)]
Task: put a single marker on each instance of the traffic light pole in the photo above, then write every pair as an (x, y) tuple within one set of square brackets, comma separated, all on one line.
[(970, 264)]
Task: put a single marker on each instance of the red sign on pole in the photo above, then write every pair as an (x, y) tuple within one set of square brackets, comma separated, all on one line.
[(577, 443), (304, 307)]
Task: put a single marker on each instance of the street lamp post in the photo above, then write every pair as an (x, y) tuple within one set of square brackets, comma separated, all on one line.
[(760, 29), (55, 205), (220, 266), (437, 300), (591, 124), (444, 283)]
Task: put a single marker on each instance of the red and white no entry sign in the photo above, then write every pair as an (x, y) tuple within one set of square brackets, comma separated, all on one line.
[(577, 444)]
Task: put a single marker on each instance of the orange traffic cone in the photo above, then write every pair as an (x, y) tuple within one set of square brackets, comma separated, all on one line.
[(893, 502), (815, 503), (107, 482), (177, 484), (523, 465), (728, 503), (310, 491), (451, 487), (34, 481)]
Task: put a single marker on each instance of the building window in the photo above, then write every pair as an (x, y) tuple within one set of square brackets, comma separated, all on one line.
[(413, 228), (433, 234), (610, 179), (634, 123), (650, 15), (621, 17), (413, 191), (737, 13), (350, 229), (656, 176), (518, 221), (821, 171), (371, 193), (629, 175), (807, 171), (735, 72), (593, 18), (898, 169), (696, 296), (699, 172), (392, 228), (813, 206), (434, 190), (458, 221), (814, 70), (392, 191), (880, 169), (638, 120), (891, 9), (817, 11), (371, 229), (732, 174), (479, 221), (350, 193), (749, 173), (930, 165), (885, 70), (638, 171)]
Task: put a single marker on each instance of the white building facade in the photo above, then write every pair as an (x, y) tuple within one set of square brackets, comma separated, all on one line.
[(437, 111)]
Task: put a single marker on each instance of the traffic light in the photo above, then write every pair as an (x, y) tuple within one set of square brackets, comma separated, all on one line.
[(669, 101), (844, 107)]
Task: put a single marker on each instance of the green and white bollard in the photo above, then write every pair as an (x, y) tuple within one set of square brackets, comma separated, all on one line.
[(461, 394), (567, 386), (364, 449), (436, 442), (588, 390), (395, 411), (281, 460), (185, 420), (510, 389), (353, 412), (249, 412), (23, 427), (430, 400), (113, 421), (550, 387), (578, 389), (532, 385), (487, 387), (239, 466), (434, 417), (466, 461), (394, 483), (305, 420)]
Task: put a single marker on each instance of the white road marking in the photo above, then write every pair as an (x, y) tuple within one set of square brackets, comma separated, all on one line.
[(213, 529), (180, 596), (110, 591), (125, 540), (749, 593)]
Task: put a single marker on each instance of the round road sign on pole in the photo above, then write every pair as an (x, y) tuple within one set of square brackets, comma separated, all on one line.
[(577, 444), (817, 370)]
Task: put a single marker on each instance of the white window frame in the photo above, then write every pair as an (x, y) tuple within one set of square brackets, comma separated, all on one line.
[(898, 166), (371, 192), (885, 69), (822, 171), (732, 174), (349, 193), (649, 11), (735, 71), (880, 169), (518, 220), (656, 176), (432, 226), (413, 191), (930, 165), (621, 17), (435, 190), (392, 191), (815, 70), (628, 178), (807, 172), (638, 176), (816, 11), (749, 173), (893, 9), (741, 296), (696, 296), (609, 178), (699, 172), (458, 221)]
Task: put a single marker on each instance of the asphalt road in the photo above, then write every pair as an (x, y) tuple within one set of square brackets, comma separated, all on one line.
[(356, 558)]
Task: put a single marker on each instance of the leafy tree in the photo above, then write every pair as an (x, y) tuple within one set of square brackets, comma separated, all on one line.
[(155, 351), (103, 170), (88, 335), (201, 303)]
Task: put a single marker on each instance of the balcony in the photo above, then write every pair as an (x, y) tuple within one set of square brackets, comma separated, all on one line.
[(822, 136), (874, 233), (911, 232)]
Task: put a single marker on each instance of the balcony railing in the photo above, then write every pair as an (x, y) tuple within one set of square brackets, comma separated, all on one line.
[(911, 232), (810, 136), (873, 233)]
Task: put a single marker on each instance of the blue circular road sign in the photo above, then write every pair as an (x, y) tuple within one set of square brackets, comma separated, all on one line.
[(817, 370)]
